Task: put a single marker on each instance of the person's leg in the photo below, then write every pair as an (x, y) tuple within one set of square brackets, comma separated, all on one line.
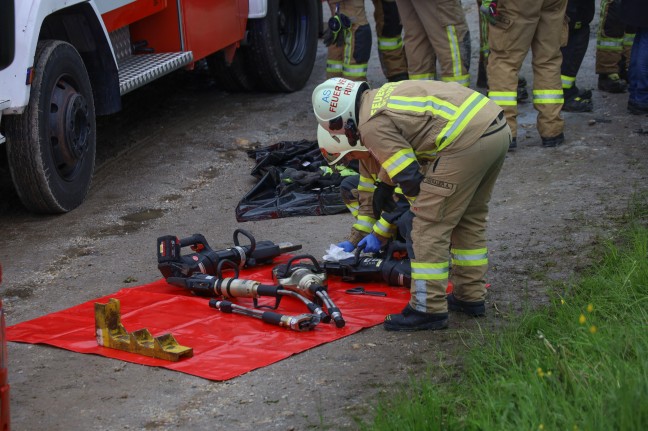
[(638, 73), (609, 47), (390, 41), (469, 251), (546, 62), (421, 58), (447, 32), (509, 43)]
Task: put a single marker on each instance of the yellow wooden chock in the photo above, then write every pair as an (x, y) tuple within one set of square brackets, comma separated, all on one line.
[(111, 333)]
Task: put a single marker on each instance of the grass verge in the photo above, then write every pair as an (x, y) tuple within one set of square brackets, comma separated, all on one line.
[(581, 363)]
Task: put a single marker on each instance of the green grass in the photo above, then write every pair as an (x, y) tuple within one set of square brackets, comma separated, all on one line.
[(580, 363)]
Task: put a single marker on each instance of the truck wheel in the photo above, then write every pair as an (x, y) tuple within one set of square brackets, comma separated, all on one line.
[(51, 146), (283, 45), (234, 77)]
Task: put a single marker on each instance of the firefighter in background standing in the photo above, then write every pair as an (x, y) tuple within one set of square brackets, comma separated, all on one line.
[(444, 146), (436, 30), (349, 48), (613, 46), (514, 27), (482, 79), (580, 14)]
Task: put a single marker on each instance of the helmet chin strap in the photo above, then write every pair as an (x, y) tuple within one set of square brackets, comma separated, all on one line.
[(351, 132)]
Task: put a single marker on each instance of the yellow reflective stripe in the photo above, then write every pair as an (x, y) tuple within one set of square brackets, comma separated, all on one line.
[(567, 81), (398, 190), (410, 199), (467, 111), (628, 39), (364, 224), (436, 106), (476, 257), (429, 271), (389, 43), (463, 79), (548, 96), (399, 161), (503, 98), (426, 155), (366, 184), (610, 44), (355, 69), (451, 32), (353, 207), (384, 228), (422, 77), (334, 66)]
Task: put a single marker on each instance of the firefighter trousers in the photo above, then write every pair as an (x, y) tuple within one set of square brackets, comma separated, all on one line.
[(350, 59), (580, 14), (541, 26), (613, 40), (436, 30), (451, 211)]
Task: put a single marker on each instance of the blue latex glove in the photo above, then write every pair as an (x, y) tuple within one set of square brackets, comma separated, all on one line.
[(346, 246), (370, 243)]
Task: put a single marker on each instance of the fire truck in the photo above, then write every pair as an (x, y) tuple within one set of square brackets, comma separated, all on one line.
[(64, 62)]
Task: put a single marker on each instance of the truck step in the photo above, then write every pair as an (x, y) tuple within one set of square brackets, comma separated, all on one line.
[(137, 70)]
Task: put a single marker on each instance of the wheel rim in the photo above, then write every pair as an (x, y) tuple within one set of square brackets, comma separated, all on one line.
[(69, 129), (293, 29)]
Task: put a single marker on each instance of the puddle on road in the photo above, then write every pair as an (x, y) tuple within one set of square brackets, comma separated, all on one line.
[(144, 215), (133, 222)]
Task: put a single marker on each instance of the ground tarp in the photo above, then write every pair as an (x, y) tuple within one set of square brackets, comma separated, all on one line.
[(224, 345)]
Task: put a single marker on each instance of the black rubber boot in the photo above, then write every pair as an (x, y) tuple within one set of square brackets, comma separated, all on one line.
[(411, 320), (513, 144), (577, 101), (612, 83), (553, 141), (474, 309)]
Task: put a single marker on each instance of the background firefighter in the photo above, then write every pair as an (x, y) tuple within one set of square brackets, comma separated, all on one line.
[(349, 48), (444, 146)]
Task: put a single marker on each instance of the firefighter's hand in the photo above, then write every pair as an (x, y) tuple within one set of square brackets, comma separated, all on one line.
[(370, 243), (346, 246)]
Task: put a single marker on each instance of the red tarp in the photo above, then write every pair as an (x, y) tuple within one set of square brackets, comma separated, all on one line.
[(224, 345)]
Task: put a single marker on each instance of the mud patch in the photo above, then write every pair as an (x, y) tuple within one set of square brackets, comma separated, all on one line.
[(143, 216)]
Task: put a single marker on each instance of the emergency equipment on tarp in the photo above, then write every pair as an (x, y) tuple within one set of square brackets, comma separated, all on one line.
[(293, 180)]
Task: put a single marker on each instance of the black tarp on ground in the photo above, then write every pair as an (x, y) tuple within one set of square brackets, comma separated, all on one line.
[(294, 180)]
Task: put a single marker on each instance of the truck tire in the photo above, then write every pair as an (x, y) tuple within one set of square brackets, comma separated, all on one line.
[(51, 146), (235, 77), (283, 45)]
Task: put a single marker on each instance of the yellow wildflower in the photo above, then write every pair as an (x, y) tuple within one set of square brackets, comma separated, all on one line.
[(540, 372), (582, 319), (541, 426), (593, 329), (590, 308)]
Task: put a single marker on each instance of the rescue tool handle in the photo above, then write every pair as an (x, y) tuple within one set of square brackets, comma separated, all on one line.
[(287, 268), (246, 234), (219, 268), (194, 240)]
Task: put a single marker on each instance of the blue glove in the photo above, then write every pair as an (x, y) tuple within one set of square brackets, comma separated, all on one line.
[(370, 243), (346, 246)]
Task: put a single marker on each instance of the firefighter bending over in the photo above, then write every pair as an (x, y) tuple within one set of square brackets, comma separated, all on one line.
[(444, 146)]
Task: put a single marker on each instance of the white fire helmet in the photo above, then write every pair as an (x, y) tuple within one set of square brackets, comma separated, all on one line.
[(334, 103), (335, 147)]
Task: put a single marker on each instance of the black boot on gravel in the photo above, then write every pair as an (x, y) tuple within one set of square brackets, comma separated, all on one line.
[(553, 141), (474, 309), (612, 83), (411, 320)]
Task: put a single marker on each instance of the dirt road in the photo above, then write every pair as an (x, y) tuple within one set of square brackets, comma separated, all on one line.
[(170, 164)]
